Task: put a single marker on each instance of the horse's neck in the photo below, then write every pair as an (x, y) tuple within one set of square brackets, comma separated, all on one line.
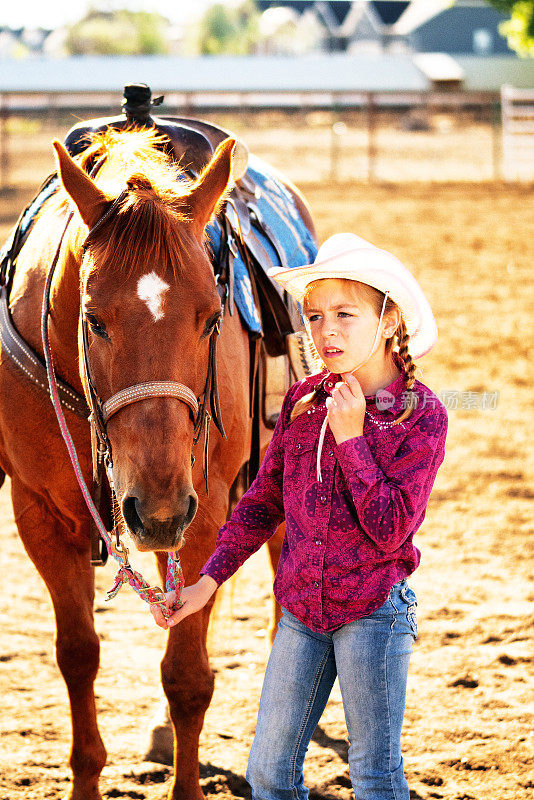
[(26, 297), (64, 314)]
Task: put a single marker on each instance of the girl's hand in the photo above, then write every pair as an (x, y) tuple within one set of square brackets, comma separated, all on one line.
[(346, 409), (193, 598)]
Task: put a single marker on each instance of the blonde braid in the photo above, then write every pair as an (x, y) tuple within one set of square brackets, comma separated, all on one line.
[(403, 338), (302, 405)]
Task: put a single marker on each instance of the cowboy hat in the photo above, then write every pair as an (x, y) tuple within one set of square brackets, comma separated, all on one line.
[(346, 255)]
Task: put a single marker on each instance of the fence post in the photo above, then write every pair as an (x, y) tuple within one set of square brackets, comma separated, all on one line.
[(4, 144), (337, 130), (371, 141), (495, 111)]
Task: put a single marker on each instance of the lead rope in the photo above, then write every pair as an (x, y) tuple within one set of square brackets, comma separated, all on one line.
[(125, 574), (325, 421)]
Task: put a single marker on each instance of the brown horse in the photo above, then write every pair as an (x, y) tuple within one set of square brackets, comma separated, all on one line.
[(150, 302)]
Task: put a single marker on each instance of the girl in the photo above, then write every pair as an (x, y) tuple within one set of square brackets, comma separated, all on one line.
[(350, 468)]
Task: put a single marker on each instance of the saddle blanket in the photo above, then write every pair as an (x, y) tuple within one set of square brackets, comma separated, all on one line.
[(279, 211)]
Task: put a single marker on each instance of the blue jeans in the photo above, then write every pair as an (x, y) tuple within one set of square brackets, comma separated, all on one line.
[(370, 657)]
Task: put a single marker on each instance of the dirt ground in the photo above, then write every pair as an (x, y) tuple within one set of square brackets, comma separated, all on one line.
[(468, 733)]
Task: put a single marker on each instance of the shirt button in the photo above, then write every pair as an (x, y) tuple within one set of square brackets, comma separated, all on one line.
[(330, 452), (329, 385), (318, 542), (323, 498), (316, 584), (298, 446)]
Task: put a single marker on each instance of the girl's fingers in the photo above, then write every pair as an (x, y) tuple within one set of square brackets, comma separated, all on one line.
[(157, 613), (179, 615), (173, 620), (353, 384), (344, 400), (342, 390)]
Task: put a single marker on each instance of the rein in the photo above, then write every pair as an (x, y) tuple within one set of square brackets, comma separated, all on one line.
[(100, 443)]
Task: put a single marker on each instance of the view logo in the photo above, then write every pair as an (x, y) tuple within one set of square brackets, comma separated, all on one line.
[(384, 399)]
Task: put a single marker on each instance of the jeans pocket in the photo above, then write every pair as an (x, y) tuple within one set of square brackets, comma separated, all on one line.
[(412, 619), (408, 596)]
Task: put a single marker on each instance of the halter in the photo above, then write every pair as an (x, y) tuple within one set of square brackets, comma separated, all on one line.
[(101, 413)]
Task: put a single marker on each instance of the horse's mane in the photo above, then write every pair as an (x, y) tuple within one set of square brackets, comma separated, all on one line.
[(145, 229)]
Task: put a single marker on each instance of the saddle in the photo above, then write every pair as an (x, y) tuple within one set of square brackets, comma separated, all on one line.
[(242, 233), (191, 142)]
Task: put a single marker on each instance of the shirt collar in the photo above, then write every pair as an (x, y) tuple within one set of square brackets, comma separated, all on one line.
[(390, 398)]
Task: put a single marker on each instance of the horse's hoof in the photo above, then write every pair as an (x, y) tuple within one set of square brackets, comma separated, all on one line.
[(81, 793), (161, 747), (161, 744)]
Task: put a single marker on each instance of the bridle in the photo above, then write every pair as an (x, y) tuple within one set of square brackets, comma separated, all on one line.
[(101, 412)]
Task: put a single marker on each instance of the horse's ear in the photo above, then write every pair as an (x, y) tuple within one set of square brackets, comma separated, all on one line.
[(210, 186), (90, 201)]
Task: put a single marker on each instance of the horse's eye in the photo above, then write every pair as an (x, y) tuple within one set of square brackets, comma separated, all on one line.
[(97, 327), (211, 324), (215, 322)]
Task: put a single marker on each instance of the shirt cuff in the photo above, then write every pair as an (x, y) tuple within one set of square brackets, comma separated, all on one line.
[(355, 454)]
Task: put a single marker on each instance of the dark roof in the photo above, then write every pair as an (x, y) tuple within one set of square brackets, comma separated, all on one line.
[(452, 29), (389, 11), (337, 9)]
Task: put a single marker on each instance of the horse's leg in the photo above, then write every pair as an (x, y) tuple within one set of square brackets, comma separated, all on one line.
[(188, 682), (186, 676), (69, 578), (161, 741), (275, 548)]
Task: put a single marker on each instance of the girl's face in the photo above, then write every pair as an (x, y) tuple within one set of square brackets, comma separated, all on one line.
[(342, 323)]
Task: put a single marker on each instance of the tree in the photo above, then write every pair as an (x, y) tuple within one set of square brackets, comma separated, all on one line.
[(519, 29), (121, 32), (225, 29)]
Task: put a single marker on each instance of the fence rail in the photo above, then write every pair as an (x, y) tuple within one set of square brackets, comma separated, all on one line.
[(426, 136)]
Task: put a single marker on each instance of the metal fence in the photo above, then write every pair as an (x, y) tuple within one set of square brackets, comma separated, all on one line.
[(368, 137)]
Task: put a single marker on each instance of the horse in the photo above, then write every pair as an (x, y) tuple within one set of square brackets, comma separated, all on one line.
[(146, 278)]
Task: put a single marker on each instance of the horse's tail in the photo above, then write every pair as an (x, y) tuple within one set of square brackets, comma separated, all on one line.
[(2, 477)]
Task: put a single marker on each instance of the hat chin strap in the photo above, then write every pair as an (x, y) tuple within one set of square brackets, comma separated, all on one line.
[(373, 346), (352, 371)]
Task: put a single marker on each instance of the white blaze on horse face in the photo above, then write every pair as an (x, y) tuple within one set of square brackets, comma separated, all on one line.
[(150, 289)]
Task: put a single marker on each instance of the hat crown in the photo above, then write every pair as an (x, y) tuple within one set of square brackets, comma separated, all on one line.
[(347, 256), (342, 244)]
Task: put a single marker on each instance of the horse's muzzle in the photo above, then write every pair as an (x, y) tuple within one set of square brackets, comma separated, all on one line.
[(150, 531)]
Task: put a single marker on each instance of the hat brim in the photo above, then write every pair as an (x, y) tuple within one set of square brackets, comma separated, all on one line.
[(376, 268)]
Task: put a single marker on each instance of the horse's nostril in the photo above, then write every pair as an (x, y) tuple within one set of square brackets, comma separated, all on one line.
[(192, 510), (146, 527), (130, 506)]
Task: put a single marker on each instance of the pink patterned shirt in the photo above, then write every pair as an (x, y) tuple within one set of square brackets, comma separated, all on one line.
[(349, 538)]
